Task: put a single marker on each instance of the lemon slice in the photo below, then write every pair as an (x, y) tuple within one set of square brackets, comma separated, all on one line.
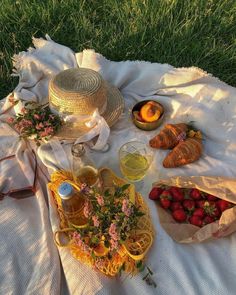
[(132, 193)]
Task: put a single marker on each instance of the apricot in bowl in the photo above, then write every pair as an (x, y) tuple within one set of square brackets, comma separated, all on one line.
[(147, 114)]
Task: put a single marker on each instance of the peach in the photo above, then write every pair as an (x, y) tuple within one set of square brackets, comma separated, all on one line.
[(101, 250), (138, 116), (150, 112)]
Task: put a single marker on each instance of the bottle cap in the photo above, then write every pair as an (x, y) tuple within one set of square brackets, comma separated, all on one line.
[(65, 190), (78, 150)]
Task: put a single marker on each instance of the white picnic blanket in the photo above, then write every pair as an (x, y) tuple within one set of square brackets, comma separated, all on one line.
[(188, 94)]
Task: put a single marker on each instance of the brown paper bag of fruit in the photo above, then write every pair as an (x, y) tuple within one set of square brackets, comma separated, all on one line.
[(197, 208)]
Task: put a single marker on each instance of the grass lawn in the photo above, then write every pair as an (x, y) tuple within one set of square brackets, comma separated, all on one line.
[(201, 33)]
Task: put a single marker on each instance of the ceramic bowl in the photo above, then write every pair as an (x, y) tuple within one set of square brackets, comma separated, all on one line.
[(148, 126)]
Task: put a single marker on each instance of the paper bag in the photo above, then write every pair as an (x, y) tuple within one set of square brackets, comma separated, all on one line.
[(221, 187)]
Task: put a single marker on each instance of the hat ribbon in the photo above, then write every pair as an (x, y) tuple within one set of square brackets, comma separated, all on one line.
[(98, 125)]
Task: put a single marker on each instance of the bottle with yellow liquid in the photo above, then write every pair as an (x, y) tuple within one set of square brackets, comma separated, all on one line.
[(72, 203), (83, 169)]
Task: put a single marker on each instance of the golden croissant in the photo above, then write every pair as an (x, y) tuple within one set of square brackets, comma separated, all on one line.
[(185, 152), (169, 137)]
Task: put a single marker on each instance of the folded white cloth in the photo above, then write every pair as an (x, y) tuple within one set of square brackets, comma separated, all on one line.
[(188, 94), (99, 128)]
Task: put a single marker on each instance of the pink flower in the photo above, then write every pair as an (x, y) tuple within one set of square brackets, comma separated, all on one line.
[(84, 188), (87, 209), (42, 134), (77, 238), (100, 200), (47, 132), (24, 111), (95, 221), (39, 126), (126, 208), (86, 248), (37, 117), (114, 244), (18, 127), (10, 120), (26, 123), (23, 125), (80, 243), (113, 232)]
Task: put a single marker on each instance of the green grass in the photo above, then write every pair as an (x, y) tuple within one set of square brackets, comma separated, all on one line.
[(179, 32)]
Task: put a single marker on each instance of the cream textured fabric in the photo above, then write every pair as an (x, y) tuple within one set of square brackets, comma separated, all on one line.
[(29, 260), (188, 94)]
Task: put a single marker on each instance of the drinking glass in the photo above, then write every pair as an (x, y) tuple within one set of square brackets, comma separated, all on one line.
[(135, 158)]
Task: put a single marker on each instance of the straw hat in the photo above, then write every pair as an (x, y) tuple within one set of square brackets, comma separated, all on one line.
[(79, 92)]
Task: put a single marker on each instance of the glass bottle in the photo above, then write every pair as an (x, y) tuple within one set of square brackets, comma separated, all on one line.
[(72, 204), (83, 169)]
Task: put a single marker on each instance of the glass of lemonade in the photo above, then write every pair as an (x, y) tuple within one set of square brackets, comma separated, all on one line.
[(135, 158)]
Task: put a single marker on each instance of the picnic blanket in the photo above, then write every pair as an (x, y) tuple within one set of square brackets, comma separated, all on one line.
[(32, 264)]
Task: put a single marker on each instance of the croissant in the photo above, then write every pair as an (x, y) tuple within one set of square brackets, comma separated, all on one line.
[(169, 137), (184, 153)]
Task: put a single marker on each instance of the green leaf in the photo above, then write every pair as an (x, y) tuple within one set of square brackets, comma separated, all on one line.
[(93, 255), (107, 244), (139, 213), (125, 186), (139, 264), (94, 240), (142, 268), (106, 193), (122, 241)]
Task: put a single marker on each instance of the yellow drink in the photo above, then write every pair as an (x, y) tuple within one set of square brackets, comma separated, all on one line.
[(134, 166), (87, 174)]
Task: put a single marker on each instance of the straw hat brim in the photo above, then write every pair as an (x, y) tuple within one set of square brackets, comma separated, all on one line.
[(114, 108)]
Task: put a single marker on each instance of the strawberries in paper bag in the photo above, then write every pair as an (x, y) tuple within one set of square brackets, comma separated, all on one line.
[(197, 208)]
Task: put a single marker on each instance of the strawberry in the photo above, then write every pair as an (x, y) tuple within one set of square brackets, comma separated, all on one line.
[(189, 205), (199, 212), (165, 203), (165, 198), (177, 194), (175, 206), (196, 220), (166, 195), (200, 203), (179, 215), (211, 197), (155, 193), (216, 213), (208, 219), (195, 194), (211, 209), (223, 205)]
